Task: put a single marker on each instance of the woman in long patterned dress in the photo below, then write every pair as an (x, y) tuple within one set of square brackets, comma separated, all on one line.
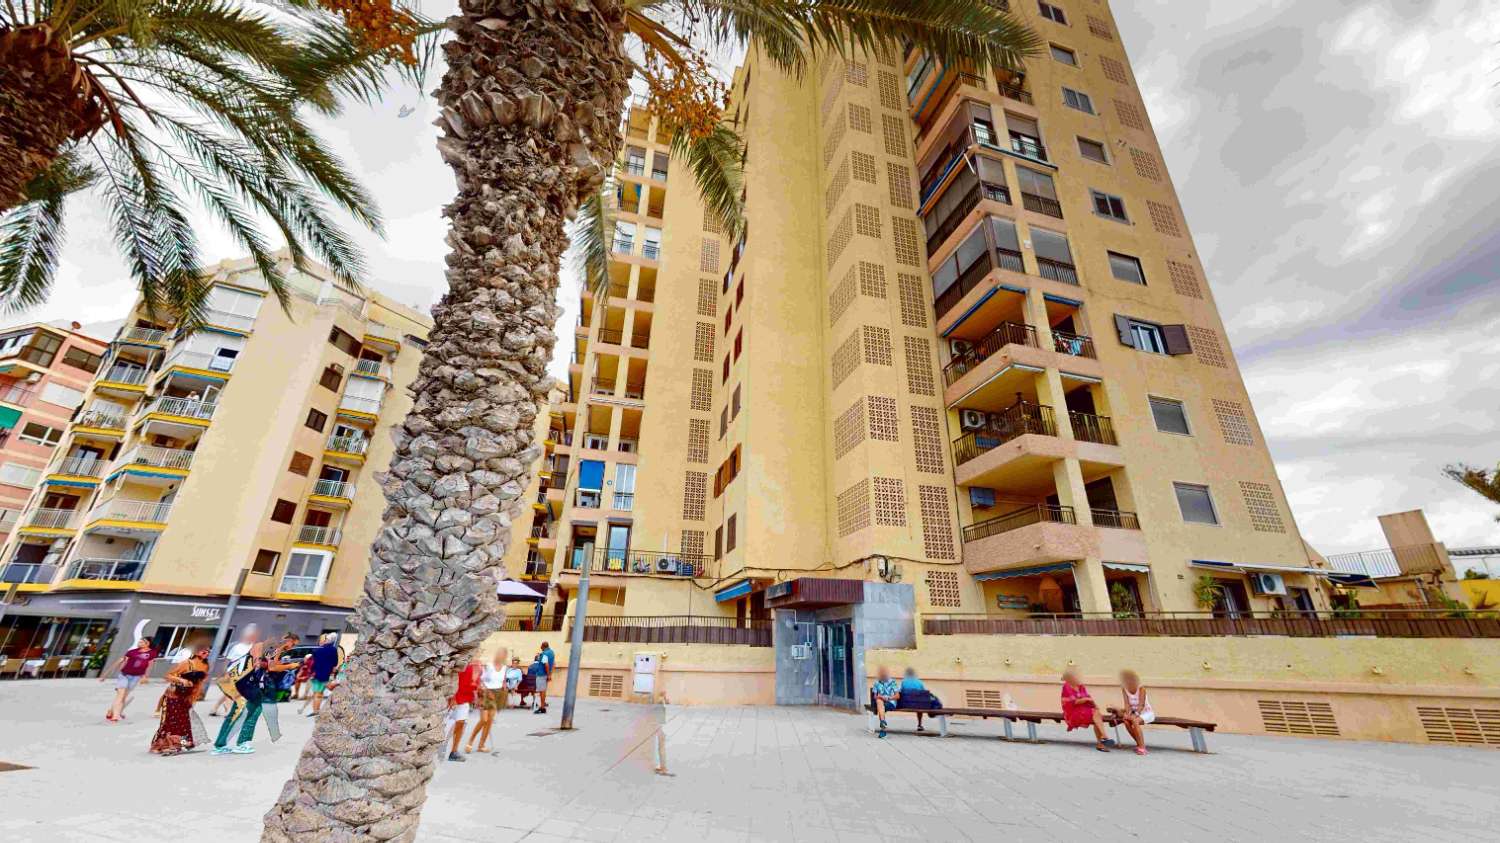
[(180, 729)]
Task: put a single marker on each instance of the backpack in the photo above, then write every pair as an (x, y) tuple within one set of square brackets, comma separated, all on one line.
[(229, 682)]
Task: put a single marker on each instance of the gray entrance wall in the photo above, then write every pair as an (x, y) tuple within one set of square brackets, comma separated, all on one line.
[(886, 619)]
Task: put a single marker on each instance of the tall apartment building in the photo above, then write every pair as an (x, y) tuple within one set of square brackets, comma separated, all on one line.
[(966, 346), (44, 371), (236, 457)]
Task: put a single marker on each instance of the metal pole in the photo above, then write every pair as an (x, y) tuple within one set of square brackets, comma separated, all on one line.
[(575, 652), (234, 600), (10, 595)]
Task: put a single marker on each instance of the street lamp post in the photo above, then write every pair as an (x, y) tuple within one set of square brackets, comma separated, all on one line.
[(575, 651)]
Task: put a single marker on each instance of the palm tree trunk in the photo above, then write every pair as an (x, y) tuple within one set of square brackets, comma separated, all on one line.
[(531, 102), (42, 107)]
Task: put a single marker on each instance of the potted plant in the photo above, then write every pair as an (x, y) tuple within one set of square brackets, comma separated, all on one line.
[(1206, 591), (1123, 602)]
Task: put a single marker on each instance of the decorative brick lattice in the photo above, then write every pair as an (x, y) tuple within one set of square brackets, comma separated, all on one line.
[(703, 342), (1260, 502), (842, 296), (843, 232), (927, 439), (831, 143), (845, 359), (908, 245), (711, 223), (890, 91), (1163, 219), (877, 346), (854, 508), (701, 397), (849, 429), (937, 523), (692, 543), (1185, 279), (942, 589), (708, 256), (697, 440), (836, 187), (1234, 424), (694, 495), (913, 305), (890, 502), (1146, 165), (1114, 71), (1130, 115), (895, 135), (708, 297), (899, 177), (864, 167), (867, 220), (830, 61), (919, 377), (859, 119), (1207, 348), (1100, 27), (831, 97), (883, 418), (871, 280), (857, 73)]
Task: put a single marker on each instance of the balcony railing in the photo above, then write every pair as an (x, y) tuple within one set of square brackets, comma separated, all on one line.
[(199, 360), (102, 418), (52, 518), (536, 569), (27, 573), (678, 629), (310, 534), (110, 570), (334, 489), (188, 407), (624, 245), (1115, 519), (1091, 428), (360, 405), (159, 457), (1042, 205), (637, 562), (1012, 92), (611, 336), (624, 500), (298, 585), (1073, 345), (149, 335), (385, 332), (1430, 557), (127, 375), (1056, 270), (603, 386), (1035, 514), (81, 466), (651, 250), (967, 277), (1339, 623), (586, 498), (15, 393), (232, 321), (348, 444), (635, 167), (1008, 333), (642, 340), (1028, 146), (373, 368), (1015, 421), (126, 509)]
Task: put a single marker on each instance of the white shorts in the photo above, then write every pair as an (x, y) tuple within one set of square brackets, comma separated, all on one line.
[(459, 712)]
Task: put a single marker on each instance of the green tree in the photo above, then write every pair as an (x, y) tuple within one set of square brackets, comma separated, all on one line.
[(1485, 483), (531, 102), (145, 103)]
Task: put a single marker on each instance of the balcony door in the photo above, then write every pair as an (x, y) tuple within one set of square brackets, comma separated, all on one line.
[(618, 547), (835, 663)]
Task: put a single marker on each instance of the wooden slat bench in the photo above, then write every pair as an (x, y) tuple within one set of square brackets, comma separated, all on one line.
[(1195, 728), (1007, 717)]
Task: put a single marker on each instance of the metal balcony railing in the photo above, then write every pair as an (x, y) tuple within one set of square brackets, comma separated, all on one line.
[(624, 500), (127, 375), (127, 509), (334, 489), (1007, 333), (1115, 519), (101, 418), (1281, 623), (190, 407), (298, 585), (26, 573), (1012, 92), (1073, 345), (611, 336), (199, 360), (1028, 146), (624, 245), (348, 444), (159, 457), (679, 629), (1042, 205), (1015, 421), (651, 250), (1091, 428), (359, 404), (373, 368), (1057, 270), (111, 570), (311, 534), (1015, 520), (138, 334), (52, 518), (81, 466)]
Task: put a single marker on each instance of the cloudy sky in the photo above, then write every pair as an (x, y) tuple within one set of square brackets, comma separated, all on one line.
[(1339, 162)]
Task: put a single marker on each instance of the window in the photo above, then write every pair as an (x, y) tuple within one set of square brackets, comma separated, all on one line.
[(301, 463), (1106, 205), (1196, 504), (1078, 100), (265, 562), (1151, 337), (80, 359), (1092, 150), (1170, 415), (316, 419), (304, 572), (1147, 337), (61, 395), (284, 511), (1064, 55), (344, 341), (1052, 13), (16, 474), (718, 542), (40, 434), (1126, 268), (736, 404), (729, 535), (723, 421), (331, 378)]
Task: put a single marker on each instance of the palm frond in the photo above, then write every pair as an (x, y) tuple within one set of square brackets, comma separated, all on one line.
[(715, 160), (30, 235), (1481, 481), (590, 238)]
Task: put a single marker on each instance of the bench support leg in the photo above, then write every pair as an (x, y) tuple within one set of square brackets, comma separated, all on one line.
[(1200, 744), (874, 722), (1008, 735), (1031, 731), (942, 725)]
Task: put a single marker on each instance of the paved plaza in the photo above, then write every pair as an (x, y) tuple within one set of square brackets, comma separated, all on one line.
[(751, 774)]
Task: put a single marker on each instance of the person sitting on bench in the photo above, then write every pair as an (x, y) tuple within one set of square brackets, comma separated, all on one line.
[(1137, 711), (913, 690), (1080, 710), (884, 694)]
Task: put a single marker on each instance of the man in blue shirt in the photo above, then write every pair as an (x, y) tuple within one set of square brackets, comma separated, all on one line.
[(885, 692), (547, 659), (325, 662)]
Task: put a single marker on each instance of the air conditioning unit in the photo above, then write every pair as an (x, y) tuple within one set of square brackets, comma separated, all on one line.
[(960, 347), (971, 419), (1262, 583), (666, 565)]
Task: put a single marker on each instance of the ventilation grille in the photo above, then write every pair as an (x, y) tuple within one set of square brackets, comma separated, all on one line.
[(942, 589), (859, 118), (1474, 726), (606, 685), (1130, 116), (1290, 717), (983, 698), (895, 135)]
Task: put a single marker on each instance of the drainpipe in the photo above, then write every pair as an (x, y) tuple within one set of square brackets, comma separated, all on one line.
[(222, 634)]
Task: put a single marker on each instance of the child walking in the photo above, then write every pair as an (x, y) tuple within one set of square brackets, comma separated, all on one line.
[(1137, 711), (1080, 710)]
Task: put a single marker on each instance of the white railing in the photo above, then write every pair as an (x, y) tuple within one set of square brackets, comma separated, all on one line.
[(54, 519), (113, 570), (360, 405), (373, 368), (159, 457), (189, 407), (129, 375), (334, 489), (298, 585), (348, 444), (232, 321), (1371, 563), (107, 419), (152, 335), (310, 534), (651, 250), (199, 360), (126, 509), (28, 572), (376, 329), (8, 518), (81, 466), (624, 245)]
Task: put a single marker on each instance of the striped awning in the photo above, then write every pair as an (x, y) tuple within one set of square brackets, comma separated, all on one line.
[(1033, 571), (1134, 567), (734, 592)]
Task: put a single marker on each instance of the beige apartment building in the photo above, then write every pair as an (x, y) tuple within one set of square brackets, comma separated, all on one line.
[(964, 360), (238, 458)]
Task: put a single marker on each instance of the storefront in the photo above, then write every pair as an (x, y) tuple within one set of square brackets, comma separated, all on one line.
[(822, 629)]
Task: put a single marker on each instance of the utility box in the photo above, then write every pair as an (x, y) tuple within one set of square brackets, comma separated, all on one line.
[(647, 668)]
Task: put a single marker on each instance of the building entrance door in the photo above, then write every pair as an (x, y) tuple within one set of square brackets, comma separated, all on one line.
[(835, 664)]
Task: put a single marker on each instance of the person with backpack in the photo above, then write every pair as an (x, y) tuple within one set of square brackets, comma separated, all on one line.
[(235, 656), (255, 688), (539, 673)]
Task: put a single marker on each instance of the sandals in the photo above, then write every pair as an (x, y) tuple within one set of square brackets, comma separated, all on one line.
[(1101, 747)]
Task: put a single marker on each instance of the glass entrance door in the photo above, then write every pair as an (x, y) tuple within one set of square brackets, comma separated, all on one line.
[(836, 667)]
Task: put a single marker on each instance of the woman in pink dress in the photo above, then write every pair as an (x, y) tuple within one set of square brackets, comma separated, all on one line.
[(1080, 710)]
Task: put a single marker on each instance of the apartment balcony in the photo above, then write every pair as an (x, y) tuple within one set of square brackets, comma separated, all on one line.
[(359, 407), (123, 379), (536, 569), (229, 321), (1088, 427), (49, 521), (373, 369), (103, 571), (143, 336), (16, 394), (1015, 449), (1031, 147), (629, 562), (126, 516), (190, 410), (634, 167), (9, 518), (383, 335), (333, 491), (29, 573), (1114, 519), (651, 251), (967, 269), (346, 448), (152, 456), (300, 586), (1002, 361), (201, 361), (322, 536), (102, 421), (1007, 428), (1047, 533), (90, 467)]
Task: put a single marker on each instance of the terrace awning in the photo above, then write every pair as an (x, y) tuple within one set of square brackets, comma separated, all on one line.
[(8, 417), (1133, 567), (1033, 571), (510, 591)]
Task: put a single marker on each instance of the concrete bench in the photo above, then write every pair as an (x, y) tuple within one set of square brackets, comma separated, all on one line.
[(1195, 728)]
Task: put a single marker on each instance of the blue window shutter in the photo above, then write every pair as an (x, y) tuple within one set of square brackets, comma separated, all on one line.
[(591, 474)]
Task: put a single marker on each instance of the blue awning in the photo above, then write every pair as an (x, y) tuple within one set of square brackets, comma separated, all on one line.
[(1061, 300), (1024, 572), (591, 475), (734, 592), (986, 297), (1211, 563)]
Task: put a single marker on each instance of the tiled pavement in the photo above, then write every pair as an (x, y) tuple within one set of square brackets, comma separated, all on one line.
[(754, 774)]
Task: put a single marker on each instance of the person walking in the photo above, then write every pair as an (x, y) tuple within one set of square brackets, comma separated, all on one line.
[(234, 655), (460, 703), (325, 662), (491, 699), (300, 690), (257, 689), (549, 660), (132, 667), (180, 728)]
